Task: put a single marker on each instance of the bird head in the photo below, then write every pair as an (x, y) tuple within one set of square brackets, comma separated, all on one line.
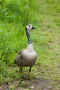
[(29, 27)]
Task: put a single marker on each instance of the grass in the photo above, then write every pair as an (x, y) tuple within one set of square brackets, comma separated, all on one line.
[(46, 41)]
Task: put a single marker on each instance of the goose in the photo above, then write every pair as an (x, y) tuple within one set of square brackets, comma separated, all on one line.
[(27, 57)]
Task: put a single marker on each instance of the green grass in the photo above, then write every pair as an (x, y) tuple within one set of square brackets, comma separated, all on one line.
[(46, 41)]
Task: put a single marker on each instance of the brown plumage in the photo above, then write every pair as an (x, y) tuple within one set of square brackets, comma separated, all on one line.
[(26, 57)]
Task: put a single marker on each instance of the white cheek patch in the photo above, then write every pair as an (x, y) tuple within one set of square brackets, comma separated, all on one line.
[(29, 26)]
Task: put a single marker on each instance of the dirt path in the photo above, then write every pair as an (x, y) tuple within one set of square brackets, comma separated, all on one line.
[(35, 84)]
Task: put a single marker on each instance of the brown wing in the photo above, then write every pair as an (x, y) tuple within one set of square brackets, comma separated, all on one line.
[(18, 57), (22, 60)]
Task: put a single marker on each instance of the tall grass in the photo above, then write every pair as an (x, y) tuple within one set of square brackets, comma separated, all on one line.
[(14, 15)]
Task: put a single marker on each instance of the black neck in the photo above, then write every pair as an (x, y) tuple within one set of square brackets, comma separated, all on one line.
[(28, 36)]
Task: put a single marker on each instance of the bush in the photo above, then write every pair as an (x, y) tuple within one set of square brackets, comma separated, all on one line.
[(21, 11), (14, 15)]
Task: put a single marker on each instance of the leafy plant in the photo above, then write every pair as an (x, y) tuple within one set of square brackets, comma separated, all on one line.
[(14, 15)]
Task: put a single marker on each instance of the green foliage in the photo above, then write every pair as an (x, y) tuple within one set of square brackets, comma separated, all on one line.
[(14, 15), (21, 11), (12, 87)]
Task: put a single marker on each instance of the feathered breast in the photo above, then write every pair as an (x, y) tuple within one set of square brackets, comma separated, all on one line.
[(26, 58)]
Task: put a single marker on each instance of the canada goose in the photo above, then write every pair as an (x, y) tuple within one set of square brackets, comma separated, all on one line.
[(27, 57)]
